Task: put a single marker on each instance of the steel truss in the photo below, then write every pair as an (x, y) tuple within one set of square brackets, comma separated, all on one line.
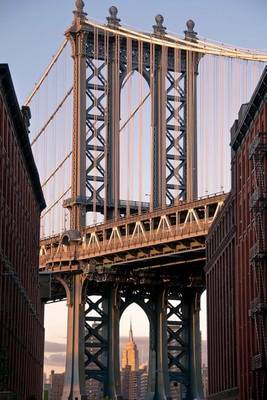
[(94, 315), (96, 121), (141, 239), (178, 340), (96, 336), (176, 136), (102, 116)]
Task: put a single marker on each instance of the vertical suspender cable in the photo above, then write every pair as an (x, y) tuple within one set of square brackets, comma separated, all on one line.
[(116, 95), (162, 100), (95, 123), (152, 121), (140, 138), (222, 130), (188, 130), (214, 178), (129, 127), (176, 103), (106, 56)]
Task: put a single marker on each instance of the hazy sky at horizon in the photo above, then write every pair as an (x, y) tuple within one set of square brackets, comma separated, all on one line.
[(31, 32)]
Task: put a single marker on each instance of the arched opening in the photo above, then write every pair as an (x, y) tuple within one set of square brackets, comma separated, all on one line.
[(55, 323), (135, 139), (134, 352)]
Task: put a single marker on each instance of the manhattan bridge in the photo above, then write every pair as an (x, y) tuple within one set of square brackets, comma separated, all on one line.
[(130, 132)]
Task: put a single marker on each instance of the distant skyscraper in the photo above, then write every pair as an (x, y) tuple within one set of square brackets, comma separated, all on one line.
[(130, 356), (130, 374), (143, 381), (57, 383)]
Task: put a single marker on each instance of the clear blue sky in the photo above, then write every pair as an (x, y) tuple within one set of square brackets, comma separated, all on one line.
[(32, 30)]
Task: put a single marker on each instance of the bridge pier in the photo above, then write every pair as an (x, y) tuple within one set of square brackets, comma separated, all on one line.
[(94, 311), (195, 347), (114, 346), (158, 364), (74, 383), (101, 338)]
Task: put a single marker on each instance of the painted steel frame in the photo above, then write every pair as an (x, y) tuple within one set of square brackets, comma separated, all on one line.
[(101, 118)]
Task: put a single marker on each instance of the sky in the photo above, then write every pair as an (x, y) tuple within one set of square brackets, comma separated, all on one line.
[(32, 30)]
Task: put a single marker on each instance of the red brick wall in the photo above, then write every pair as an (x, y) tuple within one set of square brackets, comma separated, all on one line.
[(231, 283), (222, 363), (21, 312), (245, 283)]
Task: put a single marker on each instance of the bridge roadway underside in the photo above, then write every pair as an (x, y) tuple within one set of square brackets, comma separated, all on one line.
[(155, 260)]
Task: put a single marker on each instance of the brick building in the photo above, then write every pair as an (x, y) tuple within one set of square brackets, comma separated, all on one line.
[(236, 264), (21, 202), (130, 371), (57, 383)]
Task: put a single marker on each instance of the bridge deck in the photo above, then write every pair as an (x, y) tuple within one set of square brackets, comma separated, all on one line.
[(163, 237)]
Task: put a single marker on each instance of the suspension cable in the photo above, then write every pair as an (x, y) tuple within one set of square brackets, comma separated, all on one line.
[(56, 202), (135, 111), (57, 168), (48, 69), (52, 116), (174, 42)]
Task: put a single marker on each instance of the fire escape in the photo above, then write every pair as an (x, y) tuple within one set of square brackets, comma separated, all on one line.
[(258, 261)]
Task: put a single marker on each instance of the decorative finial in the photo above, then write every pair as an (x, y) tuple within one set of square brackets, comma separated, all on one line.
[(113, 21), (79, 5), (190, 33), (79, 13), (159, 29)]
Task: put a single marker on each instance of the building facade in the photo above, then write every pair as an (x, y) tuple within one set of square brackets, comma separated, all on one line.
[(143, 382), (130, 356), (21, 202), (134, 378), (57, 383), (236, 264)]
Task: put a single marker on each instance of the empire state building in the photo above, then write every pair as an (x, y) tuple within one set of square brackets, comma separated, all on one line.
[(130, 373), (130, 357)]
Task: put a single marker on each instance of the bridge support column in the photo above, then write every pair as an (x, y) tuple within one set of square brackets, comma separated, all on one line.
[(158, 365), (195, 348), (114, 346), (77, 36), (74, 384)]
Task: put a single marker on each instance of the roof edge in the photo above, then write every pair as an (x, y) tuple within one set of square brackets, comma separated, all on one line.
[(248, 111), (21, 132)]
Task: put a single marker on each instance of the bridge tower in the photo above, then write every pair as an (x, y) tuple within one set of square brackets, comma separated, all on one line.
[(96, 298)]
